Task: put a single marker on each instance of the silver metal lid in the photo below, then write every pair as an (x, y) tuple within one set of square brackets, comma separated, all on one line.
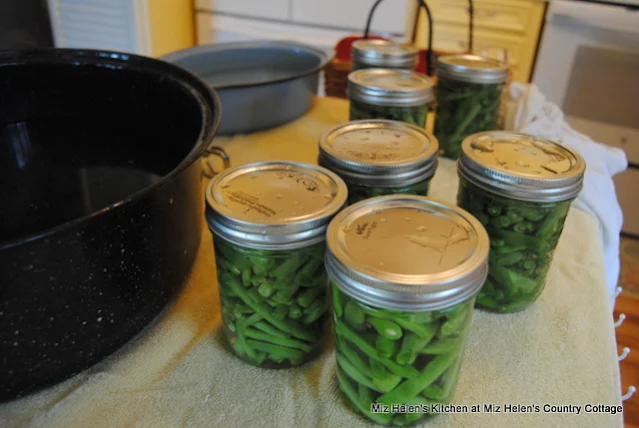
[(407, 253), (389, 87), (472, 69), (274, 205), (382, 153), (521, 166), (384, 53)]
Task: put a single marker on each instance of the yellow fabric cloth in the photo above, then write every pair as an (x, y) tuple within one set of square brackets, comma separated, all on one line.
[(178, 373)]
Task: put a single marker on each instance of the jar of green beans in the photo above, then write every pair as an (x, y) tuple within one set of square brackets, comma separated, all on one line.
[(520, 188), (389, 94), (404, 271), (469, 95), (375, 53), (380, 157), (269, 223)]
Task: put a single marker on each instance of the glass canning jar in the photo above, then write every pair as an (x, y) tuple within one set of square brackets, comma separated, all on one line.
[(389, 94), (469, 94), (375, 53), (269, 223), (380, 157), (404, 272), (520, 188)]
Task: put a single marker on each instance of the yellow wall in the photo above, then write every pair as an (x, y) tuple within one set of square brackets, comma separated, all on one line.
[(172, 25)]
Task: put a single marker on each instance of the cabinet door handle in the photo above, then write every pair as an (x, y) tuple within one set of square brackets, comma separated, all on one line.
[(627, 395), (620, 320), (624, 354)]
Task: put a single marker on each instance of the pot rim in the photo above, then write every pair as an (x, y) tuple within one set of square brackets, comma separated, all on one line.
[(205, 95)]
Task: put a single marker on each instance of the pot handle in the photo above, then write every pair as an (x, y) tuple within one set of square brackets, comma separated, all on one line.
[(208, 170)]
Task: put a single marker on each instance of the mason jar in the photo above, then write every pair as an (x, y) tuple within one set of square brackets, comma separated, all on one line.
[(380, 157), (469, 94), (404, 272), (269, 223), (520, 188), (375, 53), (389, 94)]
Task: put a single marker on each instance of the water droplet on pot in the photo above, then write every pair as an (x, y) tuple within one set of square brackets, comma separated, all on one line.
[(421, 228), (407, 218), (383, 220), (278, 196)]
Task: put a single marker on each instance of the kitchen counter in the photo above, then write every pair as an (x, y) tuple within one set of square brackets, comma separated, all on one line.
[(558, 352)]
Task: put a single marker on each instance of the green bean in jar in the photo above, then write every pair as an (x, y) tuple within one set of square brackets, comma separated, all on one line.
[(520, 188), (389, 94), (269, 221), (469, 96), (404, 274)]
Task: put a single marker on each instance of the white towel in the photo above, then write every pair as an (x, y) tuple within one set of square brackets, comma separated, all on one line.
[(533, 114)]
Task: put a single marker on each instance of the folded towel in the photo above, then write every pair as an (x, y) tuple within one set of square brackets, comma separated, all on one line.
[(560, 351), (533, 114)]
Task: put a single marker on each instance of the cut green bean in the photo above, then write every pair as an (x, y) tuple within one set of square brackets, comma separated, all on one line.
[(353, 372), (464, 108), (412, 387), (381, 360), (386, 328), (415, 115), (264, 337), (258, 290), (358, 192), (282, 351), (521, 249), (363, 407)]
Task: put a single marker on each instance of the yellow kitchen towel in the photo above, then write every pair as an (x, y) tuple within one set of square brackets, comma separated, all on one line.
[(178, 373)]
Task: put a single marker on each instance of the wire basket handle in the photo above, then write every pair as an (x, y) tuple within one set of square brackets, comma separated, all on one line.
[(429, 52)]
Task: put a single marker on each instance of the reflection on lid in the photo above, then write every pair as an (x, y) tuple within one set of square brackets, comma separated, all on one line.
[(408, 241), (522, 155), (276, 194), (377, 145)]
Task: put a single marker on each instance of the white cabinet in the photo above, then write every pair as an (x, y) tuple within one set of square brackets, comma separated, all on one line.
[(274, 9), (318, 22), (392, 16), (216, 28)]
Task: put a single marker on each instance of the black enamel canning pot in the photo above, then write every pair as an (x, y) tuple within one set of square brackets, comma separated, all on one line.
[(100, 204)]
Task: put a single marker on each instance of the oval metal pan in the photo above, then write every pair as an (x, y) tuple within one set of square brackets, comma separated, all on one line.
[(261, 84)]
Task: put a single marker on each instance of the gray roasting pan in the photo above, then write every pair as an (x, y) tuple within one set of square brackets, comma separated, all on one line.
[(261, 84)]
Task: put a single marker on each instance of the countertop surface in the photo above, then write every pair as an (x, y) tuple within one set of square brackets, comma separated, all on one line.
[(559, 352)]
